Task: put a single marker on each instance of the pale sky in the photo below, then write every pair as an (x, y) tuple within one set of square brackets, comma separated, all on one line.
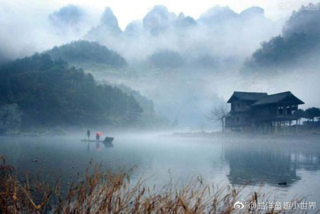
[(128, 10)]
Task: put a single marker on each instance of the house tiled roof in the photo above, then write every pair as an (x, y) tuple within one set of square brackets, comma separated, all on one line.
[(275, 98), (247, 96)]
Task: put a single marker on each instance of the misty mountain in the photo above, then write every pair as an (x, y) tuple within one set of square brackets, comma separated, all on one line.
[(297, 47), (223, 17), (107, 28), (214, 32), (166, 59), (183, 21), (68, 23), (217, 15), (173, 54), (148, 119), (85, 52), (304, 21), (69, 15), (134, 29), (3, 57), (49, 93), (146, 104), (252, 13), (99, 61), (158, 20), (175, 60)]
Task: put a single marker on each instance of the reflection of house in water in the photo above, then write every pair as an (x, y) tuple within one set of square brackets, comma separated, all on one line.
[(260, 165), (307, 160), (261, 112)]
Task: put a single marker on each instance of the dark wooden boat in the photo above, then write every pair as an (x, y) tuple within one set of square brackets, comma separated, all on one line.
[(106, 140)]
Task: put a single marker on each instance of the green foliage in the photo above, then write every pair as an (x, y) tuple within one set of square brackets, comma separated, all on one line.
[(148, 119), (298, 46), (50, 93), (282, 55), (310, 113), (10, 118), (146, 104), (87, 52), (306, 20)]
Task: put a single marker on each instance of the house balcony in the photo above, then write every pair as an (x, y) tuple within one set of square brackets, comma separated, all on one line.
[(274, 117)]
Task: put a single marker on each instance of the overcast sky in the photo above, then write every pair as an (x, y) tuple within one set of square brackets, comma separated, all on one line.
[(128, 10)]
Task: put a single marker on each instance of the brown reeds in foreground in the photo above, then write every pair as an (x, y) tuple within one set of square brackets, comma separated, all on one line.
[(102, 192)]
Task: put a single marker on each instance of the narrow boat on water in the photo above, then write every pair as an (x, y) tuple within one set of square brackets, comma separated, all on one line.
[(106, 140)]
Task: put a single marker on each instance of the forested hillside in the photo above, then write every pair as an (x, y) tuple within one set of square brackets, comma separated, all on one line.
[(297, 46), (50, 93), (87, 52)]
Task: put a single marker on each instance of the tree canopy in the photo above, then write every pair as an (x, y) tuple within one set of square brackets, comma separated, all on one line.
[(51, 93), (87, 52), (310, 113), (297, 46)]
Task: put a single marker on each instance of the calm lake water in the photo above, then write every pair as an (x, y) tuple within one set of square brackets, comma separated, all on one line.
[(257, 162)]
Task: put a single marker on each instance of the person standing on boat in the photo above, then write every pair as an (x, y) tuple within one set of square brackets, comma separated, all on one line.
[(98, 135), (88, 134)]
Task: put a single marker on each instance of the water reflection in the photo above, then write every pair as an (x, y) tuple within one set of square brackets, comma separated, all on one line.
[(260, 166), (236, 161), (256, 164), (99, 145), (307, 160)]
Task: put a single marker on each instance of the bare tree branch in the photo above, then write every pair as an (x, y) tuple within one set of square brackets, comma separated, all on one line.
[(218, 114)]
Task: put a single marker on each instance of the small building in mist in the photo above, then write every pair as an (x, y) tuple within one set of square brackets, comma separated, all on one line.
[(260, 112)]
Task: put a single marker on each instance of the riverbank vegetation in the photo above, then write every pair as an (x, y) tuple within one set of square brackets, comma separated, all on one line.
[(107, 192)]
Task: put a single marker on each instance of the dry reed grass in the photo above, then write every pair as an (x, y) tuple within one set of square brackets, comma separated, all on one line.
[(107, 192)]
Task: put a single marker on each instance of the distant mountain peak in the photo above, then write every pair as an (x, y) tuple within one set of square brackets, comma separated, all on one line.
[(185, 21), (134, 28), (252, 12), (108, 27), (68, 15), (86, 52), (181, 16), (108, 18), (216, 10), (158, 19), (218, 14)]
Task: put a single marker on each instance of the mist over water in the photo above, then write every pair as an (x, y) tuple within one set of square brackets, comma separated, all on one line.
[(66, 69), (256, 162)]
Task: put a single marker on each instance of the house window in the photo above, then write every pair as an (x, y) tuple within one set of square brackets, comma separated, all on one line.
[(280, 110), (238, 119)]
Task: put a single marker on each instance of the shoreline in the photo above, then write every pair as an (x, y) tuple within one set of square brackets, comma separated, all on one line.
[(230, 135)]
